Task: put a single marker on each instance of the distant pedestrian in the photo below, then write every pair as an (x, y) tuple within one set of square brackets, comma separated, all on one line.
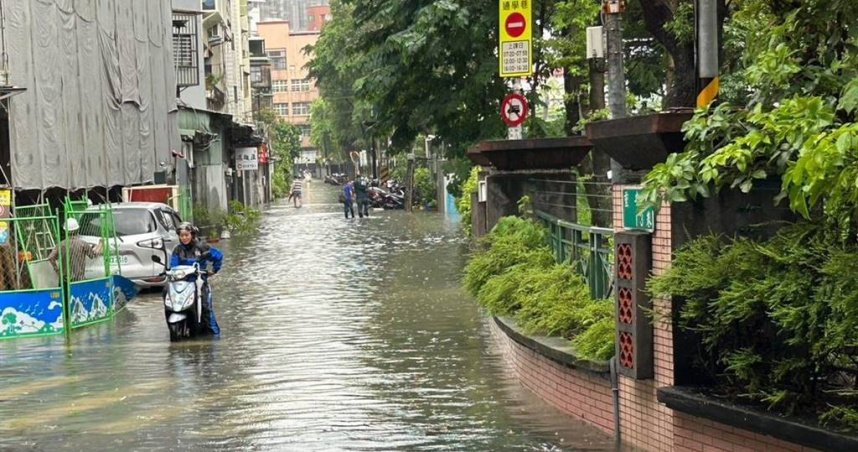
[(347, 197), (362, 196), (296, 193)]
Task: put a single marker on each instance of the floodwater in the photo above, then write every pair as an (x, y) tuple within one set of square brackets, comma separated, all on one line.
[(338, 335)]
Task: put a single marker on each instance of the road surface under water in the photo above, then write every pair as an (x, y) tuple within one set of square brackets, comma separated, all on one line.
[(349, 335)]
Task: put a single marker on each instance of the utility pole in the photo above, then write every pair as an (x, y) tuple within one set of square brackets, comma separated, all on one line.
[(613, 10), (707, 51), (409, 184), (374, 160), (596, 60)]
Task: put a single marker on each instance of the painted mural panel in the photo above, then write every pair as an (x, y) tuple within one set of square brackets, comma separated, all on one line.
[(31, 313), (90, 301)]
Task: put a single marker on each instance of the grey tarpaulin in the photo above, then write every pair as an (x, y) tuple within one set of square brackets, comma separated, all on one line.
[(100, 104)]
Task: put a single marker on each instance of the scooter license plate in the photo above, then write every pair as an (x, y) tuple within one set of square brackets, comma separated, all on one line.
[(175, 318)]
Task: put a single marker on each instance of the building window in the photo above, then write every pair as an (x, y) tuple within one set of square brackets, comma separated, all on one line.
[(278, 59), (301, 85), (279, 86), (209, 5), (185, 50), (281, 109), (256, 74), (305, 130), (300, 109)]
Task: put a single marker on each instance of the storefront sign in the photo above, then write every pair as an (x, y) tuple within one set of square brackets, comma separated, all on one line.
[(246, 159)]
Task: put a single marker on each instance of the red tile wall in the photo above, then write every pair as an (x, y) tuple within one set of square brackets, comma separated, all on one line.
[(578, 393)]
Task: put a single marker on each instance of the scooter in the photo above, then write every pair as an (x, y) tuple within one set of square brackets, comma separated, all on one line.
[(183, 299)]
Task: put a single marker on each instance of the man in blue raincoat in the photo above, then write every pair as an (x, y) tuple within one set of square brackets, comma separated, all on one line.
[(189, 251)]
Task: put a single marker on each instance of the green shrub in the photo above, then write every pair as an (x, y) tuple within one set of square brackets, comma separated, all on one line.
[(516, 275), (242, 220), (776, 321), (554, 301), (463, 203), (280, 185), (425, 189), (211, 222), (513, 241), (597, 342)]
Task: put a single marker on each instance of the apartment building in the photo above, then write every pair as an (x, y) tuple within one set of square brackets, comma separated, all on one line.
[(292, 90)]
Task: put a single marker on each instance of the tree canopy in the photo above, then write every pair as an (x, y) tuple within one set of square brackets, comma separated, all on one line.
[(789, 112)]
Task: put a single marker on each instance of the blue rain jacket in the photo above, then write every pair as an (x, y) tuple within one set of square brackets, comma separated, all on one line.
[(193, 252)]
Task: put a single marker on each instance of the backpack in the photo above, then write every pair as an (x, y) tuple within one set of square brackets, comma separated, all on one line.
[(342, 197)]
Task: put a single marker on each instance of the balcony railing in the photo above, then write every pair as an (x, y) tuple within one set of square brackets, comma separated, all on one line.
[(186, 50), (260, 77)]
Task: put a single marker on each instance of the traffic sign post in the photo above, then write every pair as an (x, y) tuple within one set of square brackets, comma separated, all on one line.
[(514, 110), (516, 38)]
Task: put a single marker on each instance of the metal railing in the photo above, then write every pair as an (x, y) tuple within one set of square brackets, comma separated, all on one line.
[(588, 249)]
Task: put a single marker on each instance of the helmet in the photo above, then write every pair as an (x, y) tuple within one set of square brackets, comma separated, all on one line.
[(72, 225), (186, 226)]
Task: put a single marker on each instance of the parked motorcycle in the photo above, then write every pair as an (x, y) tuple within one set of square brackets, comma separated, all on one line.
[(379, 198), (336, 179), (187, 289)]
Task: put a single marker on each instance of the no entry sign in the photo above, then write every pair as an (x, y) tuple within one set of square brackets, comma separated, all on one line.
[(514, 110), (516, 38), (515, 24)]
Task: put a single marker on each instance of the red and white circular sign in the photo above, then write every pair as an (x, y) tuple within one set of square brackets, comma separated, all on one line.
[(514, 110), (515, 24)]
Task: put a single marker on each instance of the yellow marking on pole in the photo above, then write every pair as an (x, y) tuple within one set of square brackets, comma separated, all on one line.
[(709, 93)]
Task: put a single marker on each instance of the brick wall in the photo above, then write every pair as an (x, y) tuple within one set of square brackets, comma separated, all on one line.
[(693, 434), (581, 394), (651, 426), (645, 423)]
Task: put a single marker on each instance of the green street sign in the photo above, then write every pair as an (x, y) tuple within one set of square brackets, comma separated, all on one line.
[(632, 219)]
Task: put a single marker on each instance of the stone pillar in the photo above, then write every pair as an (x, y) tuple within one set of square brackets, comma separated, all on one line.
[(504, 190)]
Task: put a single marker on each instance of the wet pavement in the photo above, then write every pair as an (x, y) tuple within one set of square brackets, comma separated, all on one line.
[(338, 335)]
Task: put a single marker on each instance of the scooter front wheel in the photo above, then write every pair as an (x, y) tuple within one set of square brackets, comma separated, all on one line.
[(177, 330)]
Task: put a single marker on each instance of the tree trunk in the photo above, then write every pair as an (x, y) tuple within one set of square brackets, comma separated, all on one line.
[(597, 85), (683, 91), (572, 87)]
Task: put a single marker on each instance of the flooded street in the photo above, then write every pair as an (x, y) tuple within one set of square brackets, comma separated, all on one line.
[(338, 334)]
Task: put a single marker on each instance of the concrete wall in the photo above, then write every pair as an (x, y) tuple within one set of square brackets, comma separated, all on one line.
[(210, 186), (550, 192)]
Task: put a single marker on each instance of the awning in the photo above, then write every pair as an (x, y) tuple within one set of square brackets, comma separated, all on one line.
[(9, 91)]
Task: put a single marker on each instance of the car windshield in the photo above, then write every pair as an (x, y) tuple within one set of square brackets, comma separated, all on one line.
[(126, 221)]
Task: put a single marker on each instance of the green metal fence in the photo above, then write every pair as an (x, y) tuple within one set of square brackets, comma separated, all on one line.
[(31, 296), (91, 258), (588, 249)]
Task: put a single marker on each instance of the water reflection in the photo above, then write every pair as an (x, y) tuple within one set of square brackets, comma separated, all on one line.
[(338, 335)]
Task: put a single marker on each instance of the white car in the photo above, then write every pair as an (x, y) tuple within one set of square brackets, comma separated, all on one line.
[(143, 230)]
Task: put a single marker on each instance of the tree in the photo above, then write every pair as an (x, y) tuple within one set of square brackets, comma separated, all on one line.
[(799, 73), (423, 66), (284, 144)]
